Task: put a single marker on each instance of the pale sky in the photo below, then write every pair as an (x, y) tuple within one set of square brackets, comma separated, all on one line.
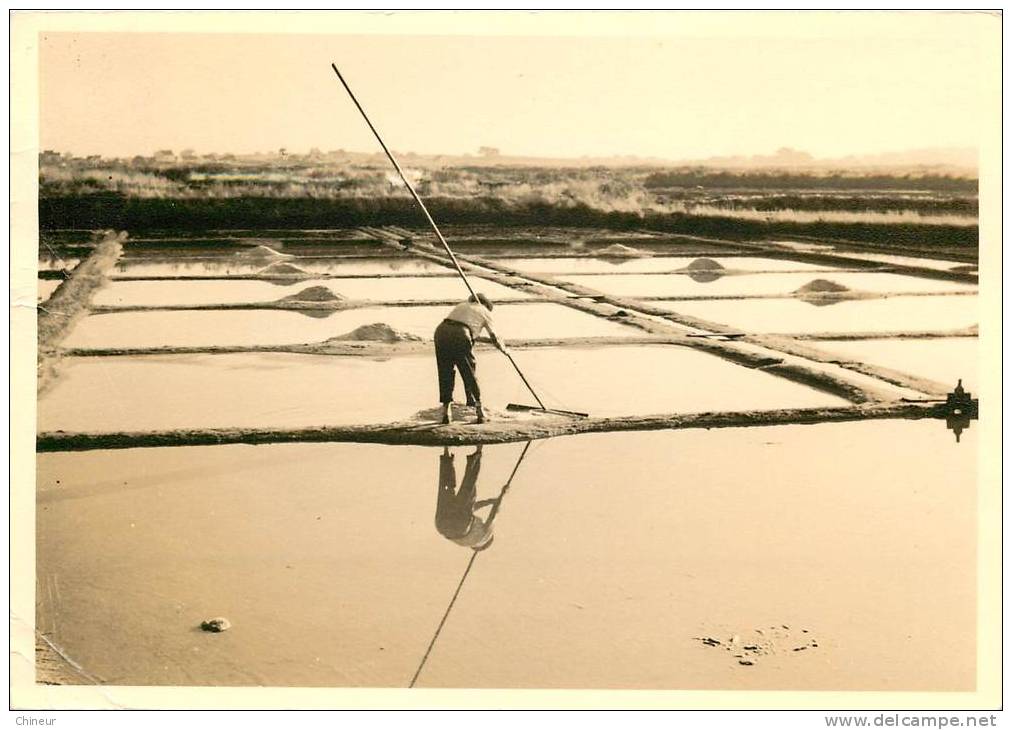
[(667, 95)]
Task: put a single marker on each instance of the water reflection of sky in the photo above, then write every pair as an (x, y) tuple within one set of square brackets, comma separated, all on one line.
[(276, 327), (290, 390), (895, 314)]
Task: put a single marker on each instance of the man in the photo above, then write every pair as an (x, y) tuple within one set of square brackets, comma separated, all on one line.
[(455, 338)]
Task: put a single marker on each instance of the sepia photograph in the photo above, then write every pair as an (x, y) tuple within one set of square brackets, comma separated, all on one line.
[(570, 351)]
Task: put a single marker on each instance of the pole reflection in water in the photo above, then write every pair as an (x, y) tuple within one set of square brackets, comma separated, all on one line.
[(457, 519)]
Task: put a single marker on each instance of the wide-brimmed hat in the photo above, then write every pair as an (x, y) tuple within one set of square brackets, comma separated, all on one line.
[(482, 300), (478, 536)]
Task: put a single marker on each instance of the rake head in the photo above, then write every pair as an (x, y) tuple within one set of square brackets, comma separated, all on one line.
[(519, 407)]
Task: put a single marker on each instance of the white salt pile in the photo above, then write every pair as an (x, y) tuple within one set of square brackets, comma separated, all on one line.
[(821, 286), (262, 253), (705, 270), (376, 332), (618, 250), (281, 270), (705, 264), (313, 294)]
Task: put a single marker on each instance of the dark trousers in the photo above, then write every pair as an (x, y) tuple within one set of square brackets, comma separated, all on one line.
[(455, 509), (453, 350)]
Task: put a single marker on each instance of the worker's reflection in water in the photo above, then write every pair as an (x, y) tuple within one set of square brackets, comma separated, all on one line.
[(456, 509)]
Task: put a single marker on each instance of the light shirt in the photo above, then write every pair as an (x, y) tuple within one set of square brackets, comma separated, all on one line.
[(475, 316)]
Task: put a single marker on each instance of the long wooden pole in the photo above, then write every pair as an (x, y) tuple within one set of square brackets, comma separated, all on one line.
[(425, 210), (407, 184)]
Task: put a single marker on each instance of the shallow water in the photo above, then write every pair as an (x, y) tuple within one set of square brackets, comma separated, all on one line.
[(870, 315), (287, 390), (943, 360), (661, 285), (276, 327), (228, 265), (225, 265), (924, 263), (162, 293), (56, 263), (648, 265), (320, 236), (47, 287), (612, 552), (373, 266), (166, 249)]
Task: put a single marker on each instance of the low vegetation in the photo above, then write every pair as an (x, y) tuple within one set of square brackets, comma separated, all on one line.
[(317, 190)]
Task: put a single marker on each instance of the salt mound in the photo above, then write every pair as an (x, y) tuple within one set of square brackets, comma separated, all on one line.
[(619, 250), (377, 332), (705, 264), (821, 286), (705, 271), (313, 294), (280, 269), (262, 253)]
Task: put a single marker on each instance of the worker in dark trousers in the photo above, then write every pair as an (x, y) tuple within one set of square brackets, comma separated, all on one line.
[(455, 508), (455, 338)]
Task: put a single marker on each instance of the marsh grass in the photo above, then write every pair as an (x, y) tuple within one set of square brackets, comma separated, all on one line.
[(192, 214), (317, 193), (789, 215)]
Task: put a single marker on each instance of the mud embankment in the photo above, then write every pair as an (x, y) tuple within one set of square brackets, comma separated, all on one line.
[(831, 257), (894, 377), (374, 349), (955, 253), (973, 331), (72, 300), (294, 304), (413, 432)]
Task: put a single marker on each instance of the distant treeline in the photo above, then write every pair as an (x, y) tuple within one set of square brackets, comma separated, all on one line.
[(108, 210), (691, 178), (925, 205)]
